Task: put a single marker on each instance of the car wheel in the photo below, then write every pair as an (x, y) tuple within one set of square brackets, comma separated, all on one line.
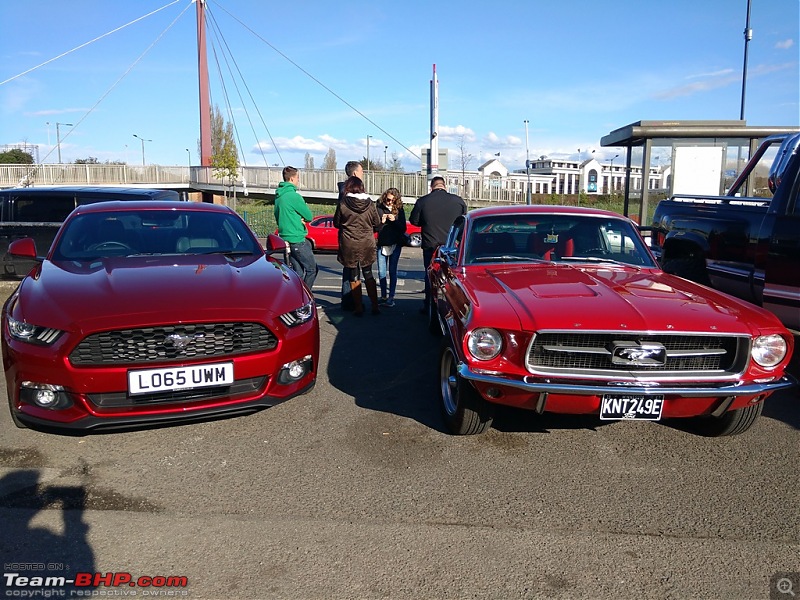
[(465, 412), (688, 268), (732, 422), (416, 240)]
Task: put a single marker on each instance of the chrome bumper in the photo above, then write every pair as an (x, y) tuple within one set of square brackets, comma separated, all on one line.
[(537, 386)]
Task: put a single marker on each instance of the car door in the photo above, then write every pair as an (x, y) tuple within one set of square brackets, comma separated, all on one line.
[(782, 268)]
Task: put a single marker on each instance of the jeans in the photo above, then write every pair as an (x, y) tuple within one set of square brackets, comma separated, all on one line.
[(301, 258), (390, 261)]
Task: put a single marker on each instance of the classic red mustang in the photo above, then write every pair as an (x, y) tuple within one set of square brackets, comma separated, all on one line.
[(146, 312), (565, 310)]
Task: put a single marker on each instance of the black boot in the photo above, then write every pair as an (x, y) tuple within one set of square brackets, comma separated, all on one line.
[(372, 292)]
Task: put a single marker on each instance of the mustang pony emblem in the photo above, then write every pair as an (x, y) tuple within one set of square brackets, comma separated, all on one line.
[(631, 353), (178, 341)]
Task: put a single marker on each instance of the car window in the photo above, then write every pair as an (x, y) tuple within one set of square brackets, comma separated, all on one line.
[(126, 233), (43, 209)]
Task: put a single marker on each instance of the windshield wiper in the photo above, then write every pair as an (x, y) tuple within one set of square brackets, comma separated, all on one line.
[(505, 257), (598, 259)]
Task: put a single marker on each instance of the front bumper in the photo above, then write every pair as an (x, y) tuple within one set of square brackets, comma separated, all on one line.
[(572, 397)]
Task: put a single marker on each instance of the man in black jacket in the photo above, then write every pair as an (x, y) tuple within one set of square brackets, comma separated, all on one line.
[(435, 213)]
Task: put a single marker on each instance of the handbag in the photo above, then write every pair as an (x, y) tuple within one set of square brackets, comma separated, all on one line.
[(388, 250)]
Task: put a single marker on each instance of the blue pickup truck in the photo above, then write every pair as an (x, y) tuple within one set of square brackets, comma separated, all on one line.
[(748, 247)]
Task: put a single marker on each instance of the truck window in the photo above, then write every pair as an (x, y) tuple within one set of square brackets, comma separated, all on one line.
[(43, 209)]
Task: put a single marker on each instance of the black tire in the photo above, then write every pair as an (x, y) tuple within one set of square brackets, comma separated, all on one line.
[(732, 422), (464, 411), (688, 268)]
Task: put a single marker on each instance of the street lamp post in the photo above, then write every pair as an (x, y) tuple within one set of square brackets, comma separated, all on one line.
[(58, 137), (369, 136), (611, 175), (527, 166), (385, 165), (189, 154), (143, 141)]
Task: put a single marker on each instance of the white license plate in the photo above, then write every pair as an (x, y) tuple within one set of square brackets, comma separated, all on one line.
[(149, 381), (614, 407)]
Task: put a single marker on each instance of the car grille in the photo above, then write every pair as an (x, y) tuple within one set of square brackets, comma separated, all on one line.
[(121, 399), (170, 343), (593, 353)]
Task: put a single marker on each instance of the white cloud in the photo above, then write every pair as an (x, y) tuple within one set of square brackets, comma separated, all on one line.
[(785, 44), (456, 133)]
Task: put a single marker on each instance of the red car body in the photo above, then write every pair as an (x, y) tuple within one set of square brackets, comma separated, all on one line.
[(180, 314), (565, 310), (324, 236)]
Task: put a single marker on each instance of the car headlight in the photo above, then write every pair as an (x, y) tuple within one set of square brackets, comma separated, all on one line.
[(33, 334), (769, 350), (298, 316), (484, 343)]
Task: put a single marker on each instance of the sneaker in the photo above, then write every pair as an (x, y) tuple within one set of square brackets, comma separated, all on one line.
[(383, 300), (389, 302)]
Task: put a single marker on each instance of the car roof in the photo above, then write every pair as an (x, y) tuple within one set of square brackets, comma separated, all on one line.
[(133, 205), (541, 209)]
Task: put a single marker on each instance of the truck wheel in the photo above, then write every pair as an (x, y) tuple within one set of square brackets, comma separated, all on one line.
[(732, 422), (465, 412), (688, 268)]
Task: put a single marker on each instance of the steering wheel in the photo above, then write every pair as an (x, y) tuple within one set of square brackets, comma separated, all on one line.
[(110, 245)]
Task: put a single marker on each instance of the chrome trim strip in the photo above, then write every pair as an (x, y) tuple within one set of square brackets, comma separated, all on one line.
[(539, 387)]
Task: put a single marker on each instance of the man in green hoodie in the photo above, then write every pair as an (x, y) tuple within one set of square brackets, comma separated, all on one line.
[(291, 213)]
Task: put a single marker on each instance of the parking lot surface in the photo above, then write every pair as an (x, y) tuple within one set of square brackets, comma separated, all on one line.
[(356, 491)]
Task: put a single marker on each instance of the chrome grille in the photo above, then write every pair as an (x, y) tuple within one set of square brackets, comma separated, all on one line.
[(170, 343), (572, 352)]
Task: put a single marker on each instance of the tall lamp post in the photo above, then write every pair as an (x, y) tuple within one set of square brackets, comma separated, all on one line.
[(611, 175), (189, 154), (527, 166), (369, 136), (385, 165), (58, 137), (143, 141)]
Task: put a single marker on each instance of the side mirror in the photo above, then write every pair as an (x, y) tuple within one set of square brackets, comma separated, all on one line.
[(23, 248), (276, 244)]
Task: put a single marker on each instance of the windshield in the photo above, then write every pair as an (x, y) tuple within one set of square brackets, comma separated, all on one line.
[(556, 238), (146, 232)]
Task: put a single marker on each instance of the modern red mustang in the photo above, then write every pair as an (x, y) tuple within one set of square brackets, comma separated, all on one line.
[(148, 312), (565, 310)]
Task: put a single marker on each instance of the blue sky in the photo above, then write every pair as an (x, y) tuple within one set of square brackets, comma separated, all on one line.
[(576, 70)]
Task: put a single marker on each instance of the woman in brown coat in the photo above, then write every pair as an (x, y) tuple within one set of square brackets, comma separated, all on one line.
[(357, 220)]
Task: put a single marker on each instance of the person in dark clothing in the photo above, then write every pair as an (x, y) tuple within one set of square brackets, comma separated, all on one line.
[(352, 168), (391, 239), (357, 220), (435, 213)]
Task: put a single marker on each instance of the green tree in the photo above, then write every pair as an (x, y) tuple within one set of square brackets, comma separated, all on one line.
[(16, 157), (224, 153), (372, 166), (87, 161), (329, 162)]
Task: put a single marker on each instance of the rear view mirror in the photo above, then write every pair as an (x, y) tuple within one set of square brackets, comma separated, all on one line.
[(23, 248)]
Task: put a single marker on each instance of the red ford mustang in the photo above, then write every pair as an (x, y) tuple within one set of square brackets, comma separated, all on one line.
[(565, 310), (147, 312), (325, 237)]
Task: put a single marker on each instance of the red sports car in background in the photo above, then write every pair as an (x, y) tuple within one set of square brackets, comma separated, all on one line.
[(147, 312), (564, 310), (325, 237)]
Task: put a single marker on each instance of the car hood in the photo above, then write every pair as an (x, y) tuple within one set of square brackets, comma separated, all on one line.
[(141, 290), (565, 297)]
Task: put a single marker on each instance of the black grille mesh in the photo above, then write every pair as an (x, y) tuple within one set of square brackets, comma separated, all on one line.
[(170, 343), (591, 351)]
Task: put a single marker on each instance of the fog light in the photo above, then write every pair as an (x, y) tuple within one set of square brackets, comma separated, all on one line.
[(45, 395), (295, 370), (493, 392)]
